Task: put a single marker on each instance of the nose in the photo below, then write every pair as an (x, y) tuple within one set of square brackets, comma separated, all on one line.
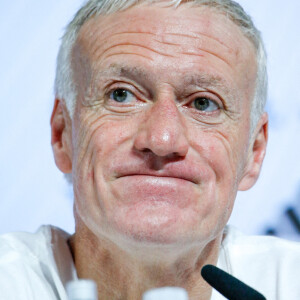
[(163, 131)]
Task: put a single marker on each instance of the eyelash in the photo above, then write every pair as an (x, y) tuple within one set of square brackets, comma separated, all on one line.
[(190, 102), (210, 99), (113, 86)]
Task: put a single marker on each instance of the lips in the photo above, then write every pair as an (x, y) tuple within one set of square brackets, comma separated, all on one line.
[(181, 172), (147, 191), (158, 176)]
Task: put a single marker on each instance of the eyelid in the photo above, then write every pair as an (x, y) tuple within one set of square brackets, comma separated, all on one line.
[(208, 95), (124, 86), (118, 86)]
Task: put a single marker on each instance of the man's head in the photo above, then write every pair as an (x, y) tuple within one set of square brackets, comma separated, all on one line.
[(159, 138)]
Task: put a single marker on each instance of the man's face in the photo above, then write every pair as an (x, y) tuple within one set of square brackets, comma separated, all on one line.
[(161, 128)]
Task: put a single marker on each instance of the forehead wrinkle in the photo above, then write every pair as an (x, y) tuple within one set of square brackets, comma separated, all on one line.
[(161, 41), (198, 35), (130, 53), (204, 52), (102, 54), (133, 32), (204, 44), (93, 28), (161, 37), (200, 47)]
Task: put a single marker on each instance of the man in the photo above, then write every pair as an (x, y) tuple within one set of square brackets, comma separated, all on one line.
[(159, 117)]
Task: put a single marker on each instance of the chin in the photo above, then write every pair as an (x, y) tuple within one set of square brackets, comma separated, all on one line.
[(160, 226)]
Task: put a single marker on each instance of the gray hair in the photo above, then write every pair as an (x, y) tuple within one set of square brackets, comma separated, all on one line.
[(64, 83)]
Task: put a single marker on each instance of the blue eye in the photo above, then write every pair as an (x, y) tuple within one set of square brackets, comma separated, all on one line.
[(205, 104), (121, 95)]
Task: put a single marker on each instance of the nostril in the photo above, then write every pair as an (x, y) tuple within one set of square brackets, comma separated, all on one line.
[(146, 150), (175, 156), (173, 146)]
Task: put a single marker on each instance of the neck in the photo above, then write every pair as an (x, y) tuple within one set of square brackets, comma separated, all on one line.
[(121, 274)]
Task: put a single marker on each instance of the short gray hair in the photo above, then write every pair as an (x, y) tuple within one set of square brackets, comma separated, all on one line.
[(64, 83)]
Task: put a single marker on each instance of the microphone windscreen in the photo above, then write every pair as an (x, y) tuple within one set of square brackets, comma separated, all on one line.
[(229, 286)]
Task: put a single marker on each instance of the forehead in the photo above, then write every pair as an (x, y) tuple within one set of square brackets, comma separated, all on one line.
[(160, 21), (201, 37)]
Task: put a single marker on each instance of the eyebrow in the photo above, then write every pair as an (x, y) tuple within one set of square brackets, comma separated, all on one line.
[(205, 80), (200, 79), (124, 71)]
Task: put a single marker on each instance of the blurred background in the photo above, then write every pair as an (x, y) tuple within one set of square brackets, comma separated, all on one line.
[(34, 192)]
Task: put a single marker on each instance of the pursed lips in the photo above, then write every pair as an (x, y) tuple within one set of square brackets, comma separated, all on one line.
[(163, 175), (149, 189)]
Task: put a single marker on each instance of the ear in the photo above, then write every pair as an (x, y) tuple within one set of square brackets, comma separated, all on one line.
[(256, 154), (61, 140)]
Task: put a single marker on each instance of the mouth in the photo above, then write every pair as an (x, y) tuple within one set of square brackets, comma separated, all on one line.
[(183, 172), (158, 177), (155, 190)]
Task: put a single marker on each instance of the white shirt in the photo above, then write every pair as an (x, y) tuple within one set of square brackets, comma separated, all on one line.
[(38, 266)]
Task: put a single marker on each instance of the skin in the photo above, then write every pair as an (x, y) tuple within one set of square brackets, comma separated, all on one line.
[(154, 177)]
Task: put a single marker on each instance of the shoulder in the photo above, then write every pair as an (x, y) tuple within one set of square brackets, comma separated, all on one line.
[(264, 249), (275, 248), (29, 247), (24, 241), (27, 264), (270, 264)]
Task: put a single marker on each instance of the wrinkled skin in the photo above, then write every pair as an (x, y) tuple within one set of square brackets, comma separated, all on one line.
[(155, 171)]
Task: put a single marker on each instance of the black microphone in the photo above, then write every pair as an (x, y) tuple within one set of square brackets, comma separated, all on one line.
[(229, 286)]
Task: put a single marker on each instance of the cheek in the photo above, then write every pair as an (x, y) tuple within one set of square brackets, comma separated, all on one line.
[(97, 143), (97, 137), (222, 160), (108, 141), (222, 155), (215, 150), (104, 144)]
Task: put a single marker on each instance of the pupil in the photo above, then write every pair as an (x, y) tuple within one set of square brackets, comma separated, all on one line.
[(120, 95), (201, 103)]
